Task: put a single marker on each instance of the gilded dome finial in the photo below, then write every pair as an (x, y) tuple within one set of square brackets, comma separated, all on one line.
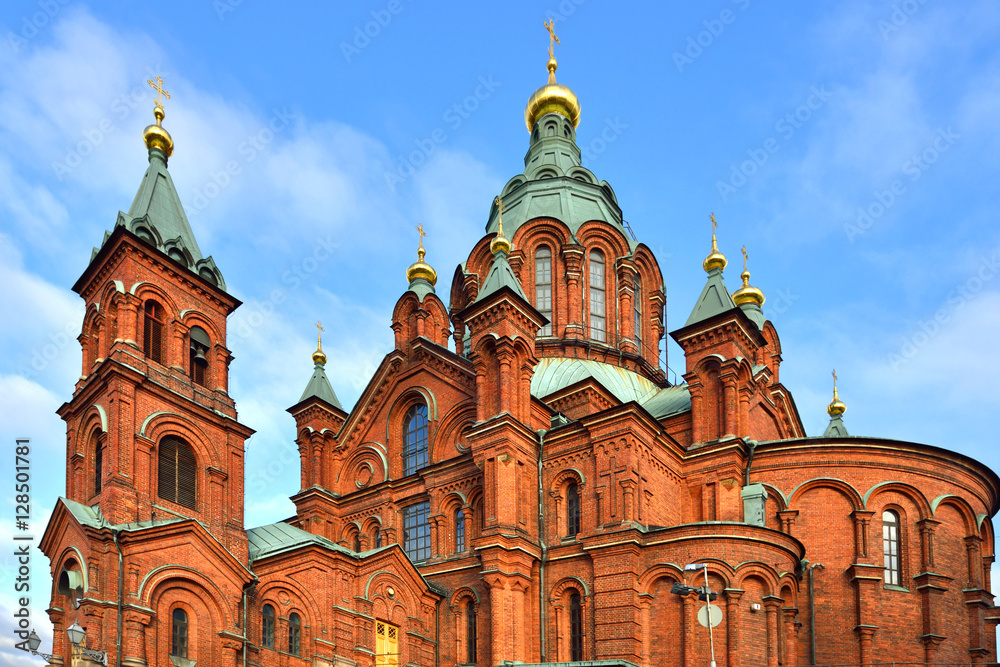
[(500, 242), (746, 293), (420, 268), (156, 136), (715, 259), (836, 407), (319, 357), (552, 97)]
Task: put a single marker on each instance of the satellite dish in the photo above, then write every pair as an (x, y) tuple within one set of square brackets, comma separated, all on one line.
[(710, 615)]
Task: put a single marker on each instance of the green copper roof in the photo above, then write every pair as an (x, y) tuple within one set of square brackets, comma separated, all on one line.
[(836, 428), (421, 287), (319, 387), (755, 313), (714, 299), (279, 537), (555, 184), (555, 373), (157, 217), (500, 276)]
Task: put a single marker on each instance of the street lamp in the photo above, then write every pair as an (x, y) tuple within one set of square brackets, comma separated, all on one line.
[(77, 637), (694, 567)]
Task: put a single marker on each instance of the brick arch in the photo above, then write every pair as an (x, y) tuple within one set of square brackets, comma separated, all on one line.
[(145, 290), (776, 493), (347, 533), (648, 579), (370, 455), (647, 266), (757, 570), (462, 594), (716, 567), (602, 236), (561, 587), (831, 483), (74, 553), (449, 438), (986, 533), (308, 607), (159, 425), (158, 582), (907, 490), (962, 506), (192, 318), (371, 523), (564, 477)]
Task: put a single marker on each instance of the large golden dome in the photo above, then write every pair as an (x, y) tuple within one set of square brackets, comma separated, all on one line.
[(552, 98)]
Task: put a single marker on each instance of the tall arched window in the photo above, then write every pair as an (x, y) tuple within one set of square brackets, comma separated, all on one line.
[(357, 542), (198, 355), (415, 439), (637, 302), (294, 634), (93, 344), (179, 633), (459, 531), (470, 632), (176, 472), (152, 331), (575, 628), (891, 547), (572, 509), (98, 462), (112, 321), (267, 627), (378, 538), (543, 286), (598, 314)]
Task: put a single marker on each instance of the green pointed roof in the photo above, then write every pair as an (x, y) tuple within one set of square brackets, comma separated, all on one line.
[(714, 299), (836, 428), (319, 387), (500, 276)]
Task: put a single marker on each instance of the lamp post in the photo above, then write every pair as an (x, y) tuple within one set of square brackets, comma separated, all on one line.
[(694, 567), (77, 637)]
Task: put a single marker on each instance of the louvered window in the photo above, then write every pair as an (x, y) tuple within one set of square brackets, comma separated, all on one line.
[(415, 439), (267, 627), (98, 463), (470, 633), (152, 332), (598, 314), (575, 628), (543, 287), (572, 509), (176, 472), (637, 302), (386, 645), (294, 634), (891, 547), (179, 634)]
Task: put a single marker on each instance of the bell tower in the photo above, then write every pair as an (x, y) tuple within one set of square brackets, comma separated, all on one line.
[(152, 432)]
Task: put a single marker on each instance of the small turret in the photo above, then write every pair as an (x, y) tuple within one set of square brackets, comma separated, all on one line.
[(836, 410)]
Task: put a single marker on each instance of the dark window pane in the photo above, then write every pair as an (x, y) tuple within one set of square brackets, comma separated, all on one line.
[(294, 634), (415, 439), (179, 634), (572, 509), (575, 628), (417, 532), (267, 627)]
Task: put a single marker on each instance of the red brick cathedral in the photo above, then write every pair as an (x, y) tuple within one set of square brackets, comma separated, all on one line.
[(518, 482)]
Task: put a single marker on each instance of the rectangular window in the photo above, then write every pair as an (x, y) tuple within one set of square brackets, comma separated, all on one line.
[(543, 287), (417, 532), (386, 644)]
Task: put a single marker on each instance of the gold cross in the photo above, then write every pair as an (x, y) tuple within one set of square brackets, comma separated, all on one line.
[(834, 378), (500, 209), (157, 85), (319, 334), (714, 223), (744, 258), (420, 230), (553, 40)]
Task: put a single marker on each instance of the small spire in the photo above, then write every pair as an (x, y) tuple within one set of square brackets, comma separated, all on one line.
[(836, 407), (155, 136), (319, 357), (420, 268), (553, 40), (552, 97), (500, 242), (715, 259), (746, 293)]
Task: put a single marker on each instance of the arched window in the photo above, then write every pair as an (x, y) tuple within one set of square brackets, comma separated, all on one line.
[(470, 632), (543, 286), (176, 472), (294, 634), (415, 439), (152, 331), (98, 462), (891, 547), (357, 542), (112, 319), (93, 344), (575, 628), (598, 316), (267, 627), (179, 634), (198, 356), (637, 302), (378, 538), (459, 531), (572, 509)]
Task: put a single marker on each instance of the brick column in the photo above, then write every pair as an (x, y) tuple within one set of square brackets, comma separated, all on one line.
[(645, 605), (787, 518), (790, 643), (688, 629), (517, 591), (862, 521), (865, 635), (498, 614), (697, 420), (772, 605), (573, 261), (134, 644), (730, 428), (626, 299), (733, 617)]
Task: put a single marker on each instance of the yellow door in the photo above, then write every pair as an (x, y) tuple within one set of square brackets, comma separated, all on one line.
[(386, 644)]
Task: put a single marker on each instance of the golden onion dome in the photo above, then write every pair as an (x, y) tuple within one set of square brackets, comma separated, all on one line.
[(319, 357), (715, 259), (552, 98), (421, 269), (836, 407), (747, 293), (156, 136)]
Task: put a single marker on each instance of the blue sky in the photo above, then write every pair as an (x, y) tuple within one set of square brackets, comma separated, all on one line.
[(850, 145)]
